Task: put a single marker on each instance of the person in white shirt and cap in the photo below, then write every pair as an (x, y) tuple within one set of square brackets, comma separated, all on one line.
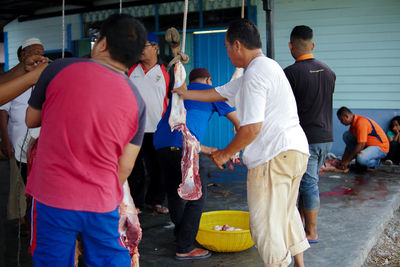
[(12, 114)]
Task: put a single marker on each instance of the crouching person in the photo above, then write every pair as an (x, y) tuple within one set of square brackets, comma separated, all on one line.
[(365, 140)]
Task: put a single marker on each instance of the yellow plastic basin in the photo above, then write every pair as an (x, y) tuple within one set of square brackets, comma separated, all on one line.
[(225, 241)]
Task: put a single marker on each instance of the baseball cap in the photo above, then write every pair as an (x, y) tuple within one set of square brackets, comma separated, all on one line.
[(31, 41), (151, 37), (198, 73)]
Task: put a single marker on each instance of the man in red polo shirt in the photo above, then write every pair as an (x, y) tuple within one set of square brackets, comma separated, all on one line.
[(92, 120), (365, 140)]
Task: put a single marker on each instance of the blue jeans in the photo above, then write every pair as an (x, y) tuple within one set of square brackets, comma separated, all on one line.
[(369, 156), (309, 191)]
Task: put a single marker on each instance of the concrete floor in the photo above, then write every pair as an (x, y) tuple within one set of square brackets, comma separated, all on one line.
[(354, 210)]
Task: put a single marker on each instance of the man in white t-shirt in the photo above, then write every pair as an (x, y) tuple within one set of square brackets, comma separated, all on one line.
[(275, 146)]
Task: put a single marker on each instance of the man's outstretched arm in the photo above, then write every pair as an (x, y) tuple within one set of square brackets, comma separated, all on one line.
[(245, 135), (210, 95)]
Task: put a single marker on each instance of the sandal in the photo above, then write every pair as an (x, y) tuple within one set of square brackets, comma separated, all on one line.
[(160, 209), (193, 255)]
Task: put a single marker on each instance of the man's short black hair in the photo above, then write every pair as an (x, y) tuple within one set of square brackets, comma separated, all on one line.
[(246, 32), (302, 32), (126, 37), (19, 51), (343, 111)]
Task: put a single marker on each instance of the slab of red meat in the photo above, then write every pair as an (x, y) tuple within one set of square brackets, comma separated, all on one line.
[(190, 188), (331, 165), (235, 159), (129, 226)]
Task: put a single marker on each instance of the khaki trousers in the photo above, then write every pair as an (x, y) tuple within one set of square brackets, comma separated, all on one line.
[(16, 207), (275, 223)]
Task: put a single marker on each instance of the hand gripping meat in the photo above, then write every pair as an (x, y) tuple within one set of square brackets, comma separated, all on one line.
[(235, 159)]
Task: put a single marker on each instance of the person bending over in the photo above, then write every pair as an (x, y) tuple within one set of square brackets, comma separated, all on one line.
[(365, 140)]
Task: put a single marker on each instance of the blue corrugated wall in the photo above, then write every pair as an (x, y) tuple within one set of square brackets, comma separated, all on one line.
[(210, 53)]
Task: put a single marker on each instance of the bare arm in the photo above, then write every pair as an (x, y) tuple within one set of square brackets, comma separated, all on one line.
[(210, 95), (13, 88), (207, 149), (15, 72), (127, 161), (33, 117), (245, 136), (396, 138), (347, 157), (232, 116), (6, 146)]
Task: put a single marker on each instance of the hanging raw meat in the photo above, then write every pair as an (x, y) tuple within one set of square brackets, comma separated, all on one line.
[(129, 226), (190, 188)]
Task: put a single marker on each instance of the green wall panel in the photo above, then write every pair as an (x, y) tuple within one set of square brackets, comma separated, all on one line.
[(359, 40)]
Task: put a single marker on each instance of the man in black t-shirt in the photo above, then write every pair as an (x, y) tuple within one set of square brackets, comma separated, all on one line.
[(313, 84)]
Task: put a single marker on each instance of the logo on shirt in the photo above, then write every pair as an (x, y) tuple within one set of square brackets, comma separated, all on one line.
[(158, 77), (313, 71)]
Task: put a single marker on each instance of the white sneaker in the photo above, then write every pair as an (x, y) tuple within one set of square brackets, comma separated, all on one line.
[(388, 162)]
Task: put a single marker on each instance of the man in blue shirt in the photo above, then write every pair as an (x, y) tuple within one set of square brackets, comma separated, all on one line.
[(186, 214)]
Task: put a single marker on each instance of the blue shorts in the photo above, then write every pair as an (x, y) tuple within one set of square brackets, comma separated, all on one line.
[(54, 231)]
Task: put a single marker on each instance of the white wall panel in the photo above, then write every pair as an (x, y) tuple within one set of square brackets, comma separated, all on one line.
[(48, 30)]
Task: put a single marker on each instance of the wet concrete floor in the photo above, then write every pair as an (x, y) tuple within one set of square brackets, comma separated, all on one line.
[(354, 210)]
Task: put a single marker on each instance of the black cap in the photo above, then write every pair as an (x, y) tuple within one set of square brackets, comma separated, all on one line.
[(198, 73)]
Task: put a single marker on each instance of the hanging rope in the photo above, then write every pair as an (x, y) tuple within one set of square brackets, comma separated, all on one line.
[(19, 187), (184, 26), (242, 13), (173, 39), (63, 29)]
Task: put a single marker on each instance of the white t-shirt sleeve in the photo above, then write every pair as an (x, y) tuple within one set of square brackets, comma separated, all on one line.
[(230, 90), (253, 98), (6, 106), (34, 132)]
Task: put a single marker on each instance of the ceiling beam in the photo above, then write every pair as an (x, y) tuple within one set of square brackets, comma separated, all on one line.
[(95, 8), (86, 3), (14, 11)]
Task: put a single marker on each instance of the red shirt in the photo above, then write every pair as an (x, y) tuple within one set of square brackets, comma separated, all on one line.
[(89, 114)]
